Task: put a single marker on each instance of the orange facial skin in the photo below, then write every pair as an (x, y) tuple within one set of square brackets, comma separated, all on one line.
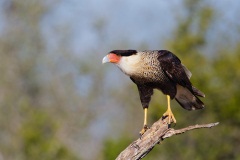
[(113, 58)]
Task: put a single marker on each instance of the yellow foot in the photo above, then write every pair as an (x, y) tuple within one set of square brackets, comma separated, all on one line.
[(145, 128), (170, 115)]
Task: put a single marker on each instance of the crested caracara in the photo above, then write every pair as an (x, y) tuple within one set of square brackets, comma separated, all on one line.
[(157, 69)]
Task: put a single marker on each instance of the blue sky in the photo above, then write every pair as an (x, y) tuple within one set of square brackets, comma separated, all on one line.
[(101, 25)]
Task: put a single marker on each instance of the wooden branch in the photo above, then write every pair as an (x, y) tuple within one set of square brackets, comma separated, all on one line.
[(157, 133)]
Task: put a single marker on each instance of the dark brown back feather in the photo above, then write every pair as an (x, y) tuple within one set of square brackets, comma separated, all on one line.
[(186, 94), (173, 69)]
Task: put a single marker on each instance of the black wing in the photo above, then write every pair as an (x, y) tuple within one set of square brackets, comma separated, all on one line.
[(187, 94), (173, 69), (145, 93)]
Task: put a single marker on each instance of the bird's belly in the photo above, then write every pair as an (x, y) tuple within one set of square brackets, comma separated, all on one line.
[(157, 80)]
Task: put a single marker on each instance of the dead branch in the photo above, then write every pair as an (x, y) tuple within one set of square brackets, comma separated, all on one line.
[(157, 133)]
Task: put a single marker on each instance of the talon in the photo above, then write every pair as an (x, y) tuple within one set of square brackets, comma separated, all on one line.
[(170, 115), (144, 129)]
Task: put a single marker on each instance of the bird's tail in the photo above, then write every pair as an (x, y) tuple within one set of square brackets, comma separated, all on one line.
[(189, 100)]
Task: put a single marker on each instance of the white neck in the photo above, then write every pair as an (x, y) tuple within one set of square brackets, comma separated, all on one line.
[(130, 64)]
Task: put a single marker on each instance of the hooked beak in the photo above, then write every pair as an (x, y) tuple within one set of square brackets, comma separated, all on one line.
[(112, 58), (105, 59)]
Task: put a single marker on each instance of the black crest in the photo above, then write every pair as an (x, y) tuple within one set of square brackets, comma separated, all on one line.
[(124, 52)]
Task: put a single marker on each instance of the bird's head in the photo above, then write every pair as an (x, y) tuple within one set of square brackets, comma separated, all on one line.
[(126, 60), (115, 56)]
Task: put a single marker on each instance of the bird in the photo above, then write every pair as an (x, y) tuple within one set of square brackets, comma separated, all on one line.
[(161, 70)]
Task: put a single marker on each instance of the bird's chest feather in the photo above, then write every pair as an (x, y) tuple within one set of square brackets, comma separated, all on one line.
[(143, 69), (148, 72), (149, 75)]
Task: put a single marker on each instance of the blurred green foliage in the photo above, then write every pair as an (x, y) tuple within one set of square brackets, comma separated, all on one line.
[(114, 146), (29, 122), (38, 137)]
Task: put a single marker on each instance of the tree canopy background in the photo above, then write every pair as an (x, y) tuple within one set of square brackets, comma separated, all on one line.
[(58, 102)]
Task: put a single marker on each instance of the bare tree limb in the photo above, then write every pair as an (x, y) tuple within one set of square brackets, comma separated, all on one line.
[(157, 133)]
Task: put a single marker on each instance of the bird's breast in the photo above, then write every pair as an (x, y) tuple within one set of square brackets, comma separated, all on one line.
[(143, 68), (150, 74)]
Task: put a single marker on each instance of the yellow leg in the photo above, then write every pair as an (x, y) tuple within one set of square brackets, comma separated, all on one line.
[(145, 127), (169, 113), (145, 116)]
